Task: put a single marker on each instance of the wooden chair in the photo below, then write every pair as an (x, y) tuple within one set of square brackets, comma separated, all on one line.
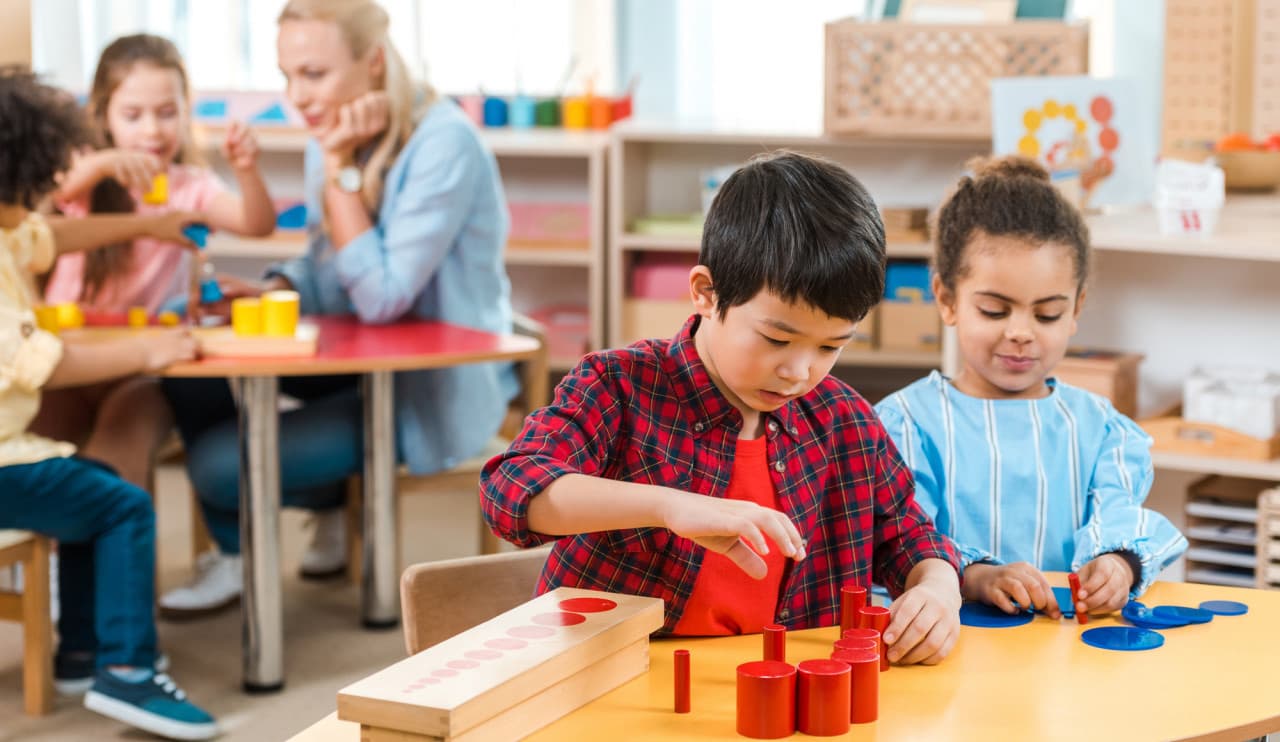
[(534, 380), (31, 608), (442, 599)]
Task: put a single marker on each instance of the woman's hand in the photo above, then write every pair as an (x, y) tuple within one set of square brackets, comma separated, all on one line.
[(240, 147), (359, 121)]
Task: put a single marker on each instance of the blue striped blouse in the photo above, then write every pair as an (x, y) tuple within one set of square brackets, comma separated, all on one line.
[(1054, 482)]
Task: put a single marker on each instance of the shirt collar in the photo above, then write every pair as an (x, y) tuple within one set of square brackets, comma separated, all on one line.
[(705, 406)]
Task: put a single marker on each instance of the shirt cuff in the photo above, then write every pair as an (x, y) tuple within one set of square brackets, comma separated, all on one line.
[(360, 257)]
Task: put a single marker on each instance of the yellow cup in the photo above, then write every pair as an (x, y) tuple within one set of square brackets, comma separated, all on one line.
[(576, 113), (137, 316), (69, 315), (246, 315), (159, 193), (280, 313), (47, 318)]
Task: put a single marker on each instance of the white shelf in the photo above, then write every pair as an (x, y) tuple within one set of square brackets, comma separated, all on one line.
[(681, 243), (639, 130), (547, 256), (1214, 465), (1248, 229), (280, 246), (547, 142)]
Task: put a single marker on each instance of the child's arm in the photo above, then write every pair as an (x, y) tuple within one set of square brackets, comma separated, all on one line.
[(99, 230), (134, 170), (252, 212), (1122, 546), (90, 362)]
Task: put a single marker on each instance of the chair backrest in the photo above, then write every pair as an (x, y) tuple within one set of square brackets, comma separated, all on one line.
[(441, 599)]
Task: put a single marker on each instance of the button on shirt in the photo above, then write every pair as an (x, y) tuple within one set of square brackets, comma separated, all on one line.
[(650, 414)]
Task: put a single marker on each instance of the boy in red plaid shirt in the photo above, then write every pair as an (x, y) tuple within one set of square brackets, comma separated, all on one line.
[(723, 470)]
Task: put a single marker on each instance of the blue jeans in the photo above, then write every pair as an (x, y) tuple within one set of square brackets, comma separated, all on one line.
[(106, 533), (321, 445)]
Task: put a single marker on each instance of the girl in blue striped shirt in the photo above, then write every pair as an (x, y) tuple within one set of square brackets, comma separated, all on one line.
[(1023, 472)]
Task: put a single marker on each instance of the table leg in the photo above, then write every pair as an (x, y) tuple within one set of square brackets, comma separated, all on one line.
[(261, 611), (380, 584)]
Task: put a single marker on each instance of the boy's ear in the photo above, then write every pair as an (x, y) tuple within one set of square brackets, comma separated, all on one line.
[(702, 291), (946, 301)]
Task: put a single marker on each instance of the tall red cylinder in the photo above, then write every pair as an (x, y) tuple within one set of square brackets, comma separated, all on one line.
[(766, 699), (775, 642), (823, 697), (682, 681), (852, 598), (876, 617), (864, 683)]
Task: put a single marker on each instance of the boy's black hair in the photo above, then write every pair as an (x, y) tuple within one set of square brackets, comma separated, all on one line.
[(801, 227), (39, 126)]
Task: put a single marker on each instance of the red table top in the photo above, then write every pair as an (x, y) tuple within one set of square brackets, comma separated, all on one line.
[(347, 346)]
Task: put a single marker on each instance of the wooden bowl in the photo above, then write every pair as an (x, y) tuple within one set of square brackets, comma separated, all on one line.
[(1250, 169)]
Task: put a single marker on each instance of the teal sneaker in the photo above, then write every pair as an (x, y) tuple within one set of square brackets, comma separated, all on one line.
[(154, 704)]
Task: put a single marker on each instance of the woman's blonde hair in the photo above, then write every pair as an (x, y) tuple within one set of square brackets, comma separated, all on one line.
[(365, 25)]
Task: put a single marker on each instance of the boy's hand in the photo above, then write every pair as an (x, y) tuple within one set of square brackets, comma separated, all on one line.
[(925, 620), (168, 226), (1001, 585), (240, 147), (163, 349), (1105, 583), (738, 529), (134, 170)]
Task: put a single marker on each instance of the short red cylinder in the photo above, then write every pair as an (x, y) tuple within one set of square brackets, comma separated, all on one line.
[(864, 683), (852, 598), (823, 697), (1081, 617), (876, 617), (766, 699), (775, 642), (859, 643), (682, 681)]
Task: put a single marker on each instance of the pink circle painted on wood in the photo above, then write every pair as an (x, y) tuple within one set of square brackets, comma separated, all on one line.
[(588, 605), (444, 673), (484, 654), (462, 664), (531, 632), (559, 619), (505, 643)]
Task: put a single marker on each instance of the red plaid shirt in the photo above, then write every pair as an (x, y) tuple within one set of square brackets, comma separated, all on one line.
[(650, 413)]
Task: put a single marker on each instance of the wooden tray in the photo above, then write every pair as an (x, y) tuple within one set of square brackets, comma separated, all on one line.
[(1203, 439), (223, 342)]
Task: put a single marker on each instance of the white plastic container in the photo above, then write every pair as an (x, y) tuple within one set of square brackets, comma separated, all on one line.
[(1188, 197)]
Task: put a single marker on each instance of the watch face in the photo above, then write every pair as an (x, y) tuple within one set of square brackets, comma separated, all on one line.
[(349, 179)]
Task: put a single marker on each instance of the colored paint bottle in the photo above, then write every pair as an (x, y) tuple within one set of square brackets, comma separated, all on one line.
[(495, 111), (576, 113), (547, 112), (523, 113)]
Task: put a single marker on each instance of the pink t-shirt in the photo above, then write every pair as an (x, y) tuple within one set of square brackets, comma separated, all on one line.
[(158, 270)]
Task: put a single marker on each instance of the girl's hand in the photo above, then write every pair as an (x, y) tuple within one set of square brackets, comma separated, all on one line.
[(134, 170), (1001, 585), (1105, 583), (163, 349), (924, 621), (738, 529), (240, 147), (168, 226), (358, 122)]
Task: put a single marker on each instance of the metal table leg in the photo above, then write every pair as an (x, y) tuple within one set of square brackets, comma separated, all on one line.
[(261, 611), (380, 588)]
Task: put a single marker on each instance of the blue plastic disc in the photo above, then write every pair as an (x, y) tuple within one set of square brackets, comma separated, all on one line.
[(1224, 607), (990, 617), (1190, 615), (1141, 616), (1122, 638)]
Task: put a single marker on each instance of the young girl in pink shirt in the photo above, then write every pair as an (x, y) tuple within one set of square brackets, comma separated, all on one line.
[(140, 108)]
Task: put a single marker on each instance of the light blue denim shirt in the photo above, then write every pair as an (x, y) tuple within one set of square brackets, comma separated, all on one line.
[(435, 252)]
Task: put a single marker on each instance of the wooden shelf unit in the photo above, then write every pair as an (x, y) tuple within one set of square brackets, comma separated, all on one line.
[(655, 169)]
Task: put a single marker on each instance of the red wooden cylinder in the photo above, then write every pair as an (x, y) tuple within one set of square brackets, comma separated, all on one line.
[(852, 598), (682, 681), (859, 643), (775, 642), (864, 683), (766, 699), (1082, 618), (870, 634), (876, 617), (823, 697)]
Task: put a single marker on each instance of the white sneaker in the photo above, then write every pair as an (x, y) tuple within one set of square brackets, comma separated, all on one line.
[(327, 555), (217, 584)]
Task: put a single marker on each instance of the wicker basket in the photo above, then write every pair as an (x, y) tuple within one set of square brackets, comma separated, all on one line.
[(924, 79), (1221, 70)]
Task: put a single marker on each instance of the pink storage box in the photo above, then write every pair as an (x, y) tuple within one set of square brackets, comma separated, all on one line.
[(550, 224), (568, 329), (661, 276)]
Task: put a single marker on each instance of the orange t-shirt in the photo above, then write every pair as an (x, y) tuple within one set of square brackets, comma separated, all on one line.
[(724, 599)]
